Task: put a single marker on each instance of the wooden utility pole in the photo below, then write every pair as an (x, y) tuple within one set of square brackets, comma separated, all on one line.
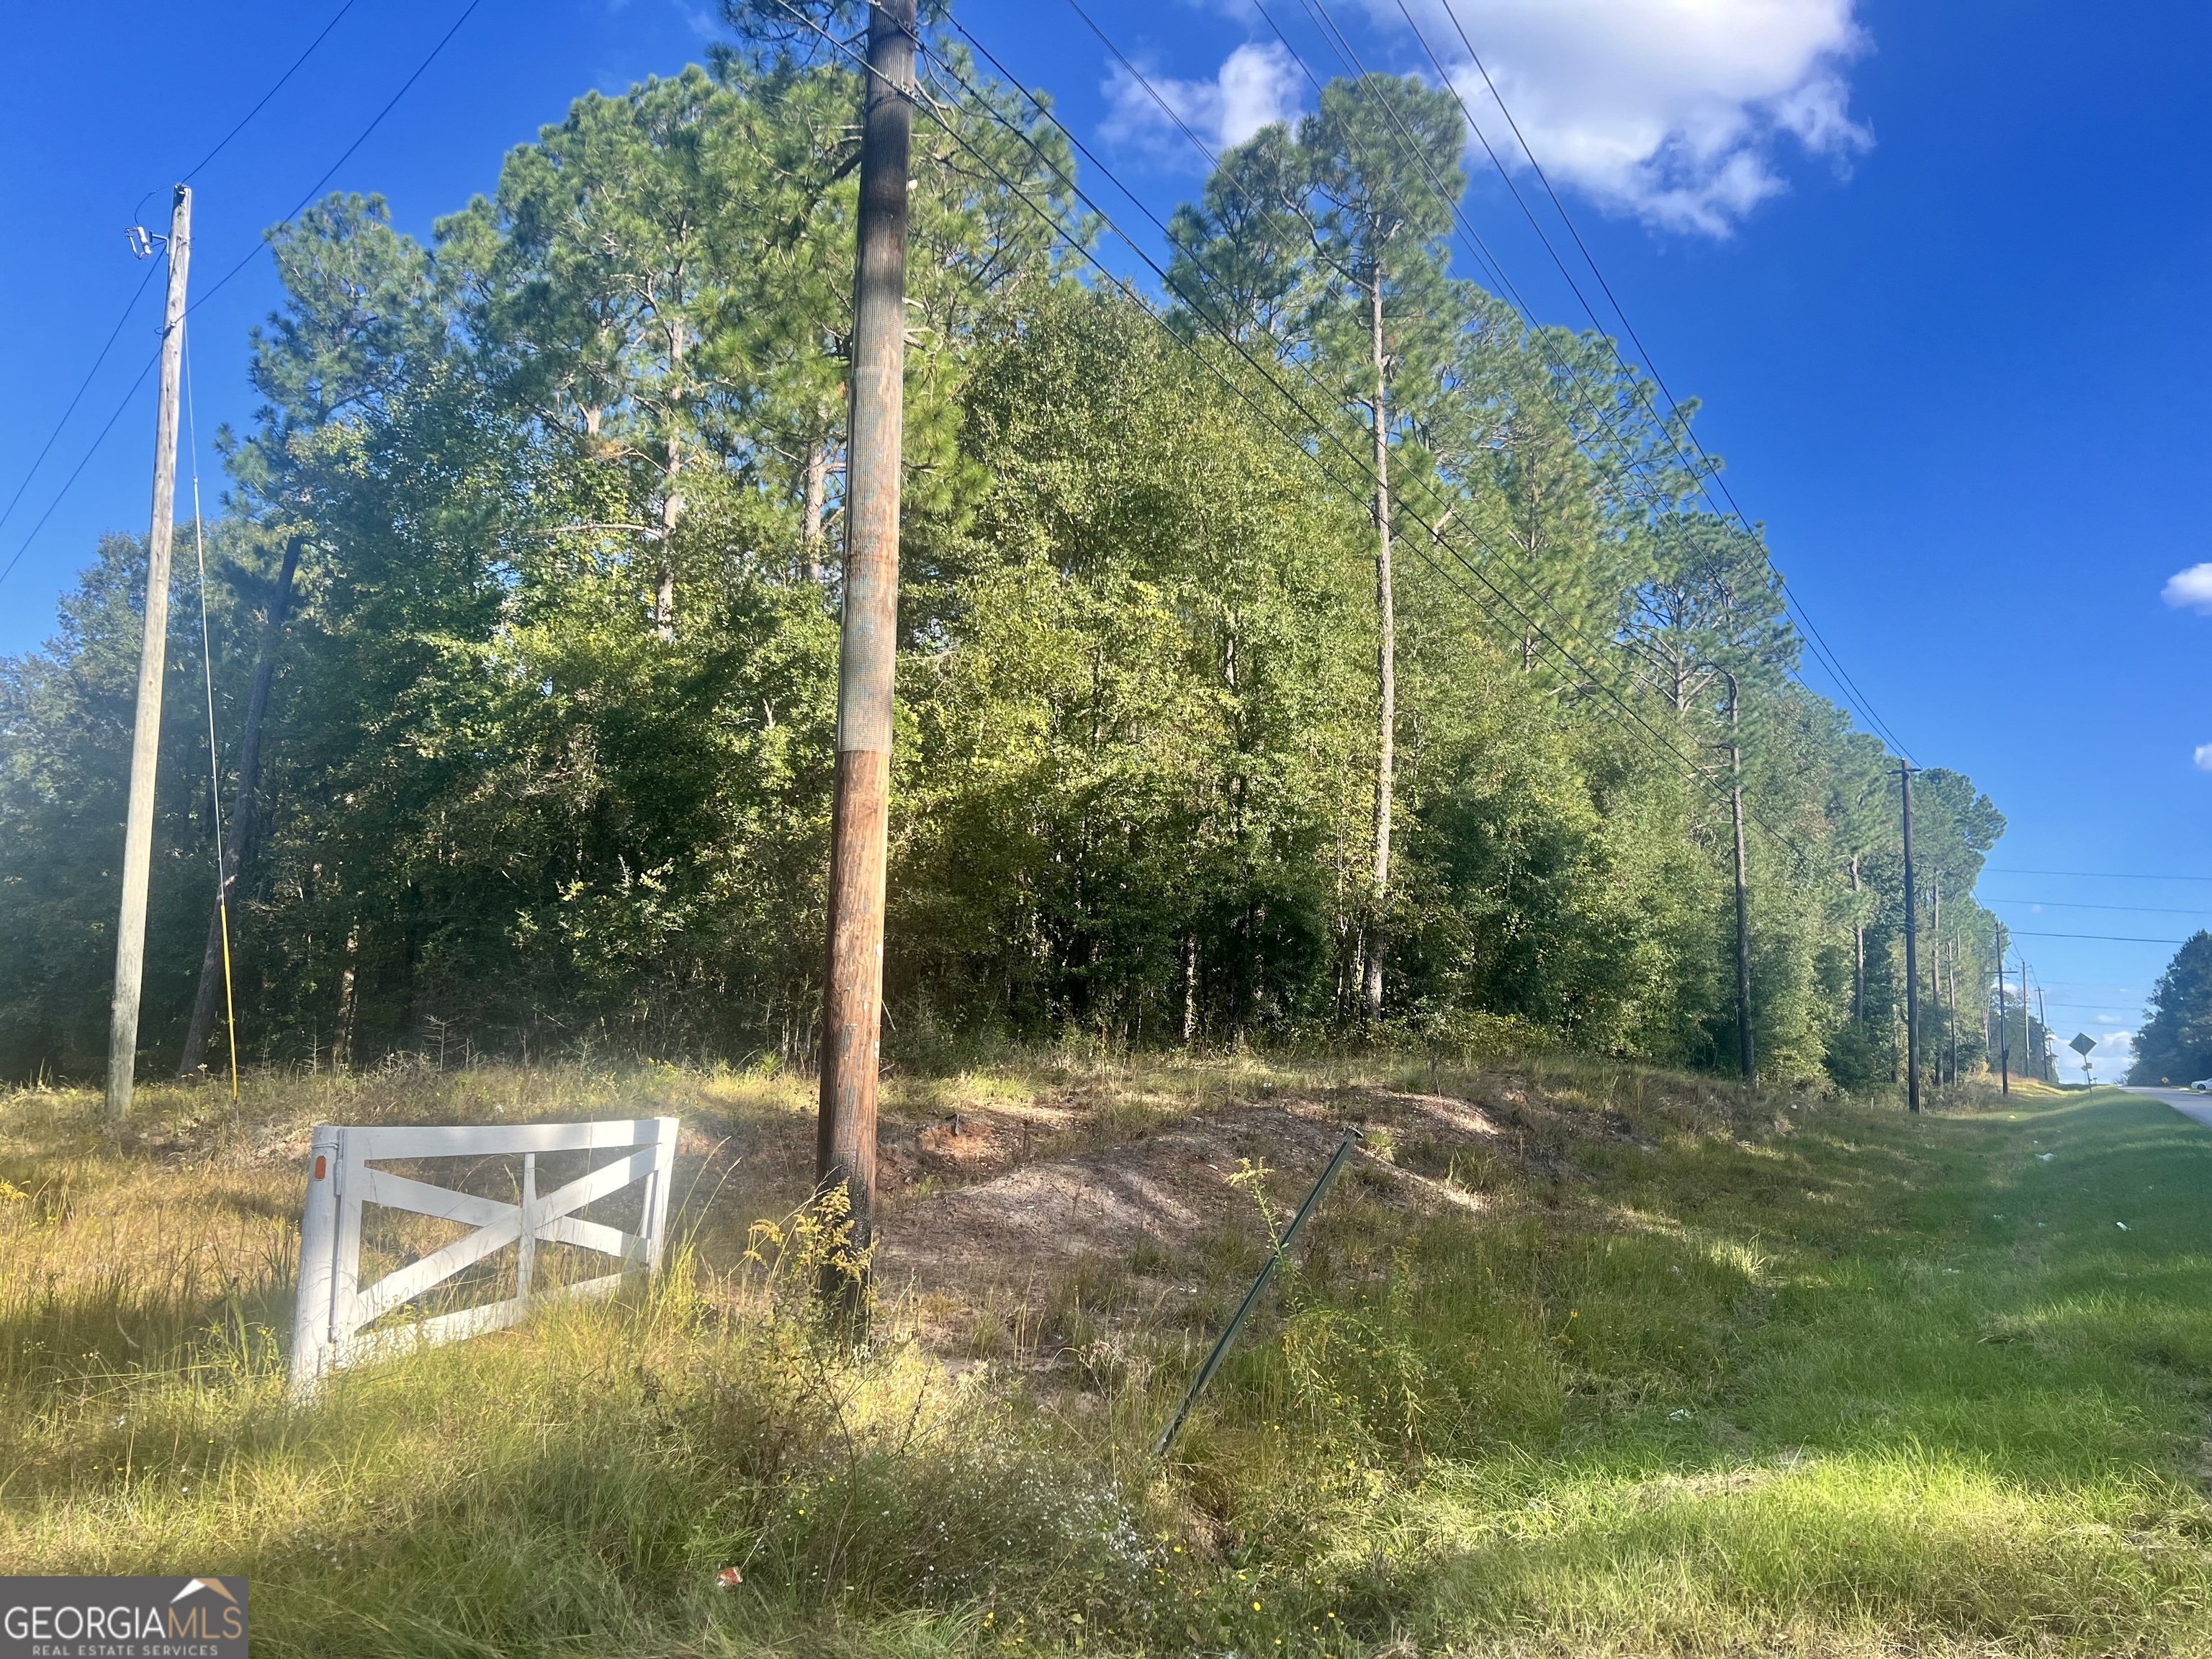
[(2004, 1028), (1912, 953), (1386, 668), (1858, 953), (1742, 895), (2043, 1018), (852, 1013), (153, 667), (213, 959), (1936, 966), (1951, 997)]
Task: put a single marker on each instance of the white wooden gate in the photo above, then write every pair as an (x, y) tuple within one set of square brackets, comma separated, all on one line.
[(329, 1332)]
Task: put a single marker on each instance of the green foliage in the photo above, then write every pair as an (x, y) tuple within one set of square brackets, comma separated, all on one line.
[(2175, 1044), (549, 753), (1771, 1376)]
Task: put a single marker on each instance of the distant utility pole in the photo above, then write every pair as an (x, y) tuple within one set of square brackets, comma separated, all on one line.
[(1858, 953), (852, 1013), (1912, 953), (1743, 893), (2004, 1026), (1935, 968), (1951, 971), (152, 666)]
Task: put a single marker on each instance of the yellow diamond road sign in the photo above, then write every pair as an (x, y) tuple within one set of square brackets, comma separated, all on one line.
[(2082, 1042)]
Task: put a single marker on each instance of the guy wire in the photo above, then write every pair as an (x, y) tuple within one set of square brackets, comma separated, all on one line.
[(215, 755)]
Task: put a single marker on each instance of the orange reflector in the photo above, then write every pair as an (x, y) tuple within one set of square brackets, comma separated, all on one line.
[(321, 1163)]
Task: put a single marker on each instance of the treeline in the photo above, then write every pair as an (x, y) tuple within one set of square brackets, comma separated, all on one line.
[(2175, 1044), (547, 756)]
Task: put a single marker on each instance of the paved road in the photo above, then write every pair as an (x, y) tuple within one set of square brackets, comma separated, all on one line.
[(2197, 1106)]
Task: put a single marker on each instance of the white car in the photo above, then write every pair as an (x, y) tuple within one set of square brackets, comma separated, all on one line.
[(2202, 1086)]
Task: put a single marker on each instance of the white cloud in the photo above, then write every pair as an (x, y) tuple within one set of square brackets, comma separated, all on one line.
[(2189, 589), (1669, 109), (1257, 84), (2204, 757)]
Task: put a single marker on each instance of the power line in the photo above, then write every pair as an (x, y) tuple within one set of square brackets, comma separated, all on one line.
[(2071, 904), (346, 156), (1706, 469), (2091, 875), (83, 462), (143, 283), (1282, 356), (208, 293), (2120, 939), (1321, 428), (1709, 475), (1484, 258), (277, 87), (83, 387)]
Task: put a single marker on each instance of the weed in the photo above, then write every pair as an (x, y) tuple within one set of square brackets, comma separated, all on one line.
[(1701, 1374)]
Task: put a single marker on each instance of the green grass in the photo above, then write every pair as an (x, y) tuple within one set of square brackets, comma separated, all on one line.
[(1703, 1376)]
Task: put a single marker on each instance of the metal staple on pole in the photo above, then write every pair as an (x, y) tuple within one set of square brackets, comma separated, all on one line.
[(1352, 1138)]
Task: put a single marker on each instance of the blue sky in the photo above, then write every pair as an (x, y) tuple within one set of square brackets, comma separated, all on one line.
[(1936, 272)]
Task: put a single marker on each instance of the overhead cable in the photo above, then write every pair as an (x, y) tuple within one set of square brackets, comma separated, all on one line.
[(1321, 428), (83, 386), (1282, 356), (275, 88), (345, 155), (1704, 471), (1709, 475), (2091, 875), (208, 293), (2073, 905), (98, 438)]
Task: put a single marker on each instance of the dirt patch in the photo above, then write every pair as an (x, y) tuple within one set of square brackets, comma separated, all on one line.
[(1167, 1190)]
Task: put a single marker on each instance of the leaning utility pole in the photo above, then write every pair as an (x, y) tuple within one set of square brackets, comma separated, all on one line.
[(1911, 954), (152, 666), (2004, 1028), (852, 1013), (1742, 898)]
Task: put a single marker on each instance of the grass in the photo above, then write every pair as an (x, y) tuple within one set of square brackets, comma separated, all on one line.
[(1658, 1370)]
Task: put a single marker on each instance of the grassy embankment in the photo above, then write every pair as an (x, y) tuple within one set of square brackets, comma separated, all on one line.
[(1638, 1367)]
